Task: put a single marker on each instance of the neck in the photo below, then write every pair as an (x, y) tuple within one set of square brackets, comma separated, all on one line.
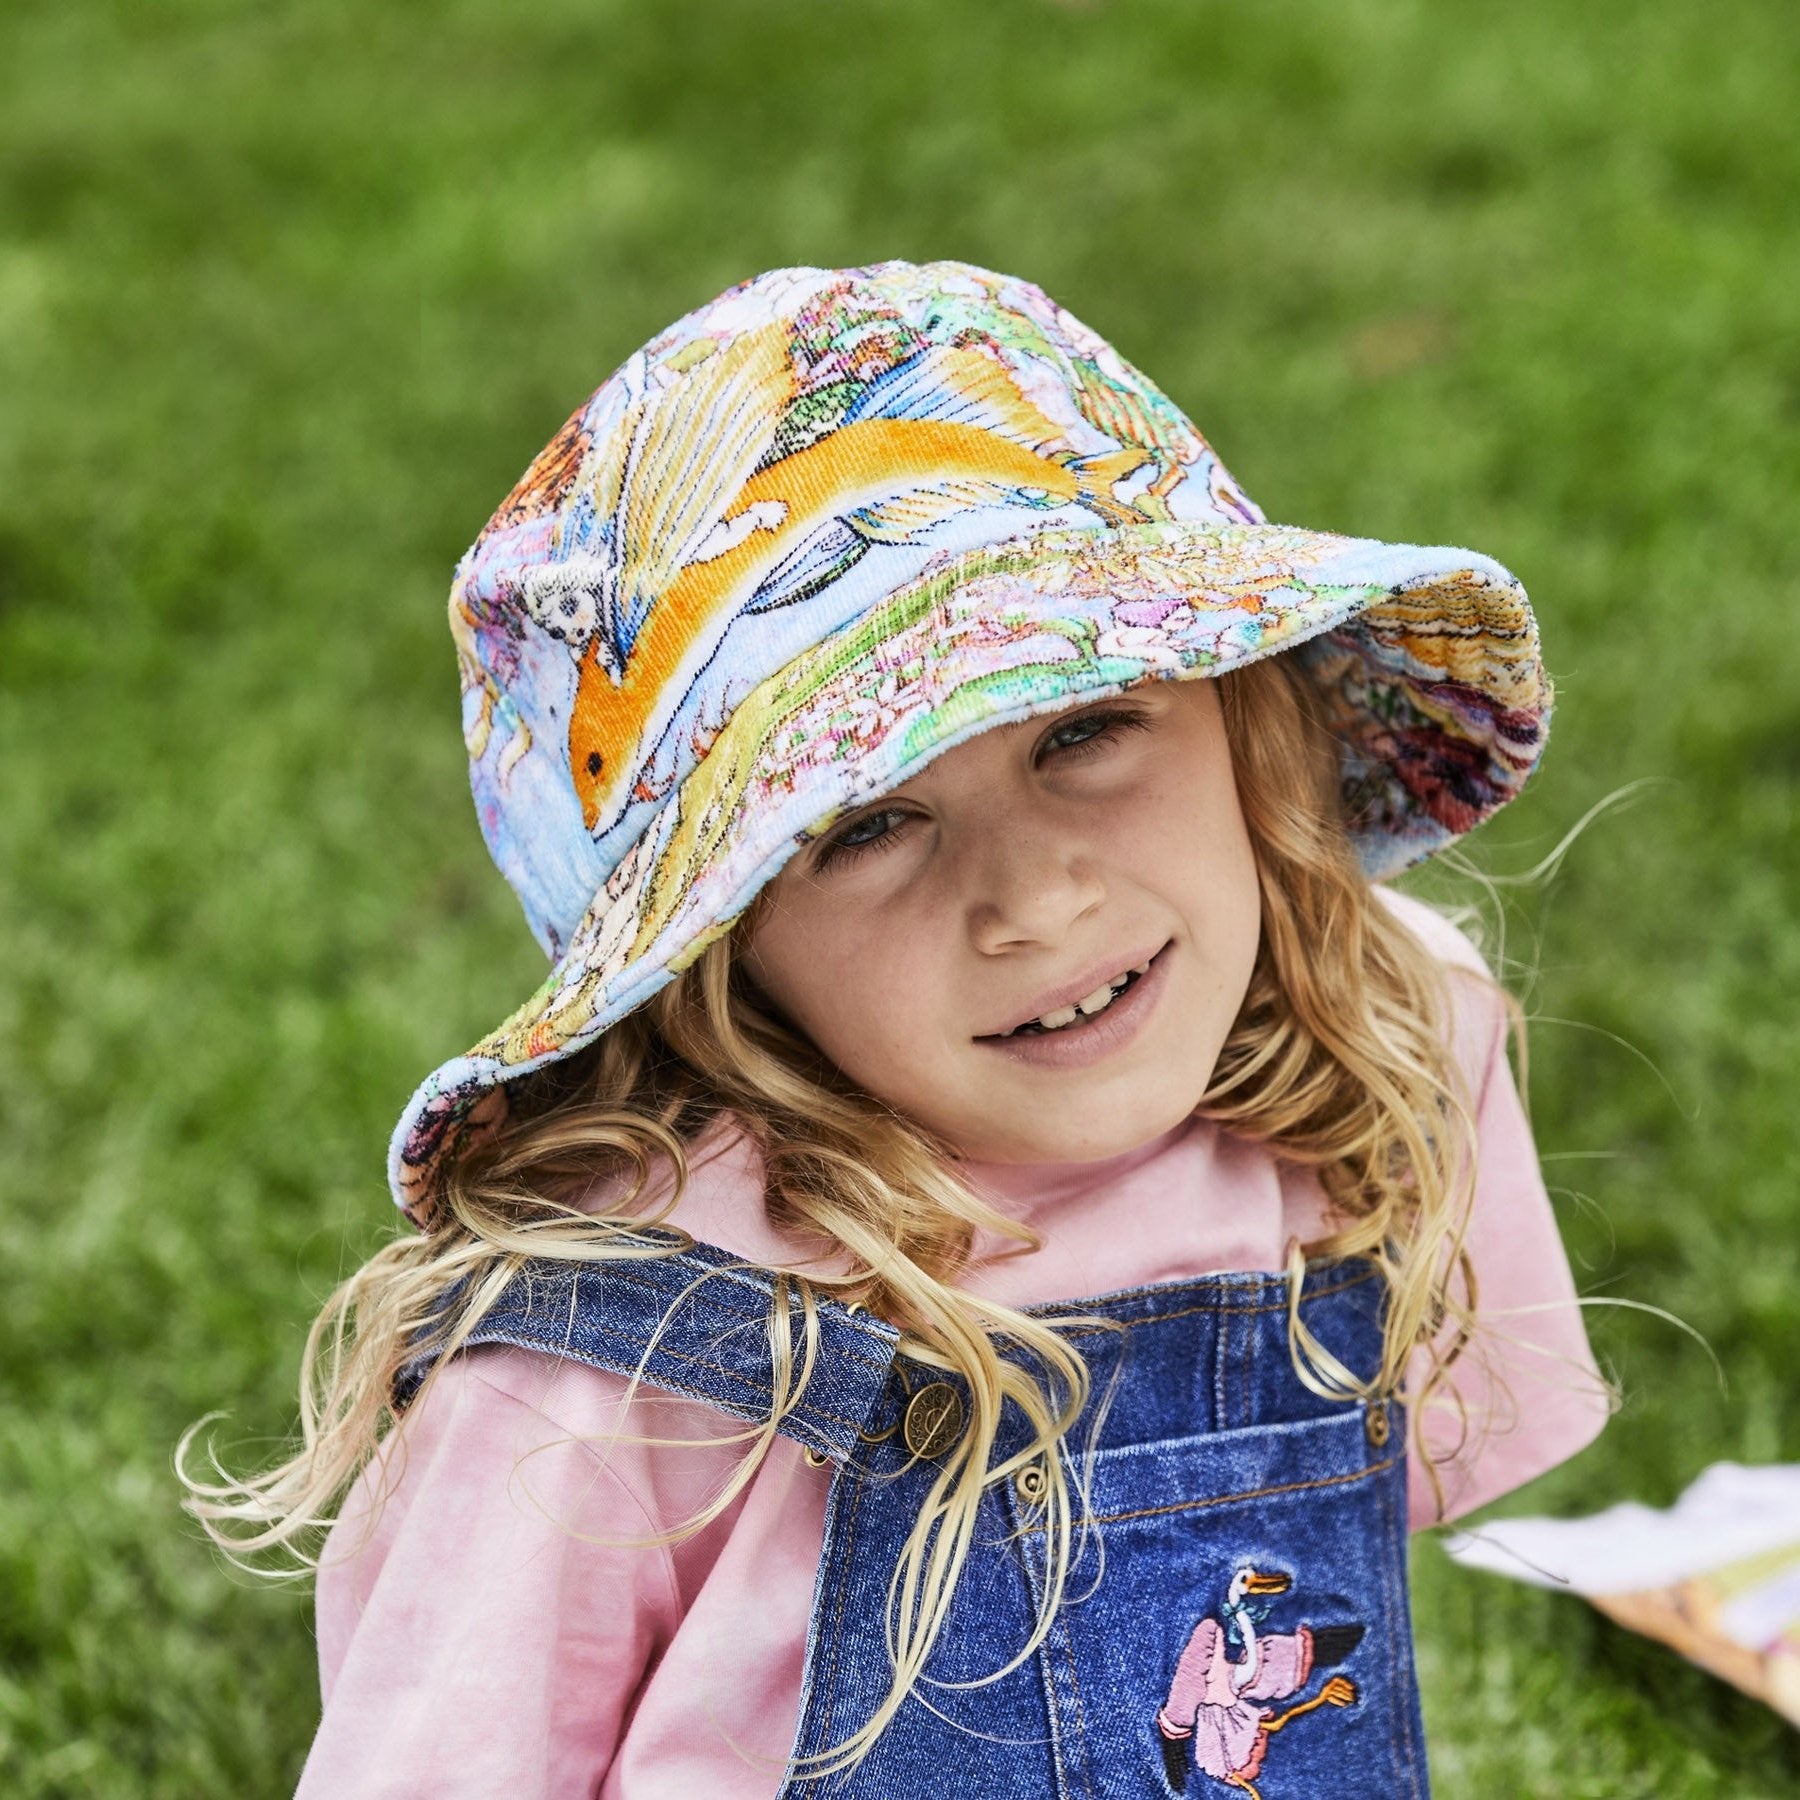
[(1046, 1183)]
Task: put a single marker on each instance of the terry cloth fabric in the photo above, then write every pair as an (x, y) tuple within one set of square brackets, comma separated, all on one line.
[(838, 521), (484, 1640)]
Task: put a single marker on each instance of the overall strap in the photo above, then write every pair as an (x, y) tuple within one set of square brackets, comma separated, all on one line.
[(693, 1322)]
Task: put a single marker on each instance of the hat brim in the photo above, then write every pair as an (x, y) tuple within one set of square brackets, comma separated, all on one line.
[(1426, 660)]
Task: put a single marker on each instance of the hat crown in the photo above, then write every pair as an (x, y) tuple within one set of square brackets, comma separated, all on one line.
[(752, 480)]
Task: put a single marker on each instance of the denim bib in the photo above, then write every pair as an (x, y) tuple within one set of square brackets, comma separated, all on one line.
[(1238, 1620)]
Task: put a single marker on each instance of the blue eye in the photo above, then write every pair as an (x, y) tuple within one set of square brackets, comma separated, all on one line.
[(1127, 718), (1079, 729), (863, 834), (866, 830)]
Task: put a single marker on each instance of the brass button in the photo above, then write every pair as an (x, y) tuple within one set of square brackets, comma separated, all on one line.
[(1032, 1483), (1375, 1423), (934, 1419)]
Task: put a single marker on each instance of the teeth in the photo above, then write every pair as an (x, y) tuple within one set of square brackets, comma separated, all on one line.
[(1097, 1001), (1084, 1008)]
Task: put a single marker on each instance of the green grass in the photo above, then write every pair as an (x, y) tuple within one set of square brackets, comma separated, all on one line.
[(289, 296)]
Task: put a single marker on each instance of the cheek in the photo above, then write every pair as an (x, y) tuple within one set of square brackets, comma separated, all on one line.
[(853, 992), (1238, 920), (1219, 900), (1203, 865), (1232, 903)]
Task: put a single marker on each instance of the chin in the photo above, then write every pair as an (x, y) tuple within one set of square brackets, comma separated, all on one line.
[(1074, 1140)]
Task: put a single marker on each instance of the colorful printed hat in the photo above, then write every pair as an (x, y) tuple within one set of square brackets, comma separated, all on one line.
[(834, 523)]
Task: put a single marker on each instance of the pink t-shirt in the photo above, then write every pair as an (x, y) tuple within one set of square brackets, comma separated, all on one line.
[(492, 1634)]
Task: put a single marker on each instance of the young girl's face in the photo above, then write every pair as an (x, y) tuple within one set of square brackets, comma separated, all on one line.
[(1024, 870)]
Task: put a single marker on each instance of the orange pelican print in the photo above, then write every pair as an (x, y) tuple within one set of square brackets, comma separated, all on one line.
[(699, 525)]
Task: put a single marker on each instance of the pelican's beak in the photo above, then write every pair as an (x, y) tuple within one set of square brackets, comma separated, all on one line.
[(1255, 1583)]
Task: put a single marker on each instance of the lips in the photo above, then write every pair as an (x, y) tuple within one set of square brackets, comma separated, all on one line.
[(1072, 992), (1091, 1041), (1075, 1003), (1090, 1006)]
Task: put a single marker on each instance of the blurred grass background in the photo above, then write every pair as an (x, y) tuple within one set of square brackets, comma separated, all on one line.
[(290, 295)]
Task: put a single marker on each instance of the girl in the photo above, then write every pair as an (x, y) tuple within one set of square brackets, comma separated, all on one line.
[(997, 1221)]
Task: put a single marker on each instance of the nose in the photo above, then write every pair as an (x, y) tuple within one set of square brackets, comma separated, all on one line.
[(1028, 882)]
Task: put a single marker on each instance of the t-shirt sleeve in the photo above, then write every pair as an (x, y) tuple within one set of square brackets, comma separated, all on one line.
[(478, 1640), (1525, 1393)]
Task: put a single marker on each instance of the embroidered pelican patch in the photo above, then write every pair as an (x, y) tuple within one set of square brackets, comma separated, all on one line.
[(1215, 1718)]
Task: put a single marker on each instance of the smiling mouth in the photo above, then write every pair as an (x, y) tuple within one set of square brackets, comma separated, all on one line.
[(1072, 1018)]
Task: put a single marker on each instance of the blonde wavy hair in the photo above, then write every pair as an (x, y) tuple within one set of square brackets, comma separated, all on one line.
[(1340, 1059)]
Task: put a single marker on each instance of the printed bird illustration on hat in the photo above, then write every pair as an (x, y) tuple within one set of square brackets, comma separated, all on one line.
[(703, 528)]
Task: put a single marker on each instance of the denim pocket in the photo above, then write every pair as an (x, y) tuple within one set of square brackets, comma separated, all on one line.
[(1237, 1615)]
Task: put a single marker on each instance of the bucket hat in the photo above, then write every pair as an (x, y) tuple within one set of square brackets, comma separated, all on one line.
[(830, 525)]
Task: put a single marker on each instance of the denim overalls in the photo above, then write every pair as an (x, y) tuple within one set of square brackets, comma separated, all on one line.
[(1238, 1621)]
